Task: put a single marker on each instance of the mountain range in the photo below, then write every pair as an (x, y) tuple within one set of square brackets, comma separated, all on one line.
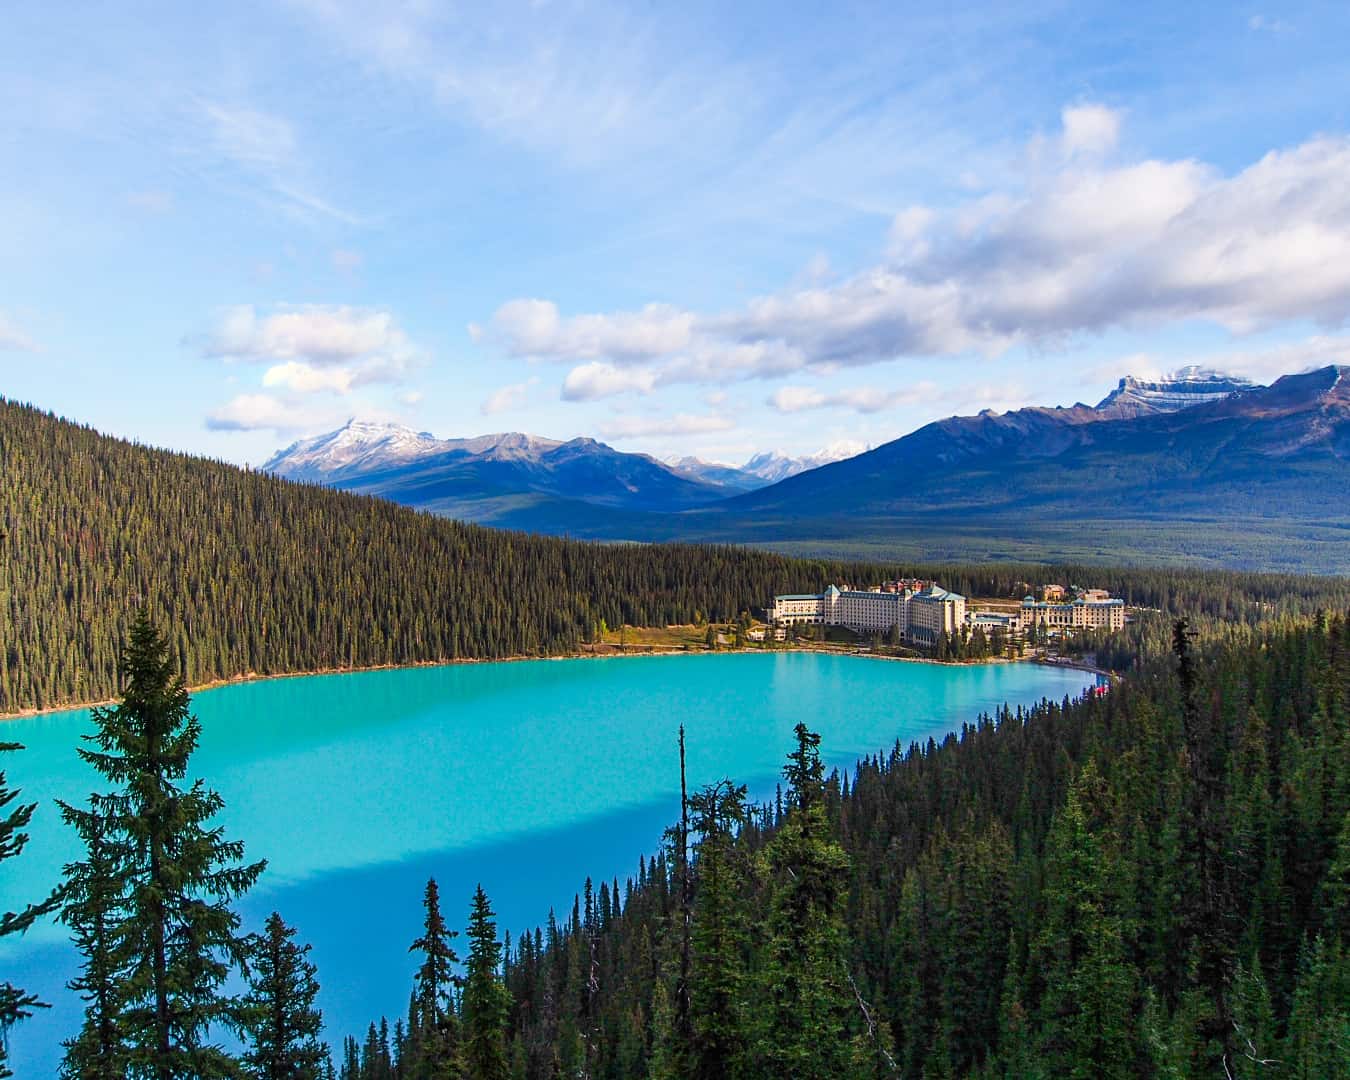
[(1195, 467), (478, 478)]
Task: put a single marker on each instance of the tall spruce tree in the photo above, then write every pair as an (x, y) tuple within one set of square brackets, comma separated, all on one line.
[(433, 1035), (1088, 1002), (175, 937), (485, 1005), (719, 934), (16, 1004), (278, 1017), (803, 984), (95, 905)]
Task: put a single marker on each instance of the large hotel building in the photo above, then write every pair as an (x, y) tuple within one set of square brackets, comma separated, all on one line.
[(919, 615), (921, 612)]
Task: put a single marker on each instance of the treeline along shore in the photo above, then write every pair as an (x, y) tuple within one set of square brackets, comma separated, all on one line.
[(264, 576)]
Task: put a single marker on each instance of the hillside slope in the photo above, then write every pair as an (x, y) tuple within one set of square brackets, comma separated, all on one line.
[(260, 574)]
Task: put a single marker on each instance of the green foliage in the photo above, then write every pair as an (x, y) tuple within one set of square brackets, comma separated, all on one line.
[(278, 1016), (162, 876), (720, 933), (432, 1050), (485, 1006), (95, 901)]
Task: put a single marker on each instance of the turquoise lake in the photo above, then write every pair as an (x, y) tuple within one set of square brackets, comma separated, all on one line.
[(524, 776)]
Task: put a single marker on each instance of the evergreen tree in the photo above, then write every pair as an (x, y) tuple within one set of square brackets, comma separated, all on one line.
[(175, 937), (1088, 1002), (719, 934), (805, 998), (16, 1004), (1209, 916), (433, 1031), (95, 902), (279, 1018), (485, 1006), (1319, 1025)]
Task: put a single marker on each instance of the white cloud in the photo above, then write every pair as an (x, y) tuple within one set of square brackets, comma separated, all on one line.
[(861, 399), (263, 412), (304, 378), (12, 337), (1082, 248), (1089, 129), (534, 327), (508, 397), (308, 350), (596, 380), (637, 427), (356, 346), (1264, 23)]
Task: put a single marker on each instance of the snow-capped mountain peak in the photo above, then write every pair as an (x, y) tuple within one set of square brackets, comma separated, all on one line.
[(1182, 389), (772, 466), (358, 444)]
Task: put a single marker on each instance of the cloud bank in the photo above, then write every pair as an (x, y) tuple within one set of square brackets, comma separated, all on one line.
[(1084, 244)]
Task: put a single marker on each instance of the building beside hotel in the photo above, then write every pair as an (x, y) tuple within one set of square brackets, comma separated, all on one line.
[(1082, 613), (917, 611)]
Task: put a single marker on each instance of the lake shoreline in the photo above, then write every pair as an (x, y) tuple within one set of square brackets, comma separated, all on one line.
[(616, 654)]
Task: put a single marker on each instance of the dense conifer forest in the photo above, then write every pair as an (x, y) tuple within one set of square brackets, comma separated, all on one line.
[(254, 574)]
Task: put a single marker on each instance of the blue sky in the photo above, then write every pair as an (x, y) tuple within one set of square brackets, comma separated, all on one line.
[(683, 228)]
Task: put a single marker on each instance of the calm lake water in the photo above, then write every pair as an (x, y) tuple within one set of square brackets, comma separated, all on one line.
[(525, 777)]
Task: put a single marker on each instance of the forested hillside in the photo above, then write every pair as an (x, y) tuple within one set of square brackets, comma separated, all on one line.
[(257, 574), (1150, 883)]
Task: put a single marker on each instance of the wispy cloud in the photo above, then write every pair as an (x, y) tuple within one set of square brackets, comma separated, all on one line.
[(859, 399), (636, 427), (12, 337), (263, 147), (1268, 25), (508, 397)]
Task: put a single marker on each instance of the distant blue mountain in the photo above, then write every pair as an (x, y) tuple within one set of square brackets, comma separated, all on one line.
[(471, 477), (1198, 466)]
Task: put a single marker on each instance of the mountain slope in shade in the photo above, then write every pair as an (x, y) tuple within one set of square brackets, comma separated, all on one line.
[(1271, 450), (470, 477), (1193, 385)]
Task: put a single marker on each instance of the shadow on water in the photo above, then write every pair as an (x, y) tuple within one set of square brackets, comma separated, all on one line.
[(362, 920)]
